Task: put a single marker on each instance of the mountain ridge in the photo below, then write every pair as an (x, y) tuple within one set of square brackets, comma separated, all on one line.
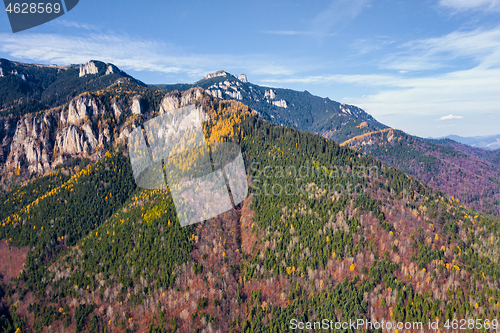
[(469, 174), (348, 125), (325, 232), (490, 142), (287, 107), (27, 88)]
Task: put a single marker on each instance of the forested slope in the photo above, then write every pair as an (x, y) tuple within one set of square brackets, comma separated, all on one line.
[(469, 174), (324, 233)]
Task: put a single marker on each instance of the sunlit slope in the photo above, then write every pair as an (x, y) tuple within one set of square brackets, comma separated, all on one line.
[(325, 232)]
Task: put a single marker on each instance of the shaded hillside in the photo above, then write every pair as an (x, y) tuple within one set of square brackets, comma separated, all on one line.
[(296, 109), (325, 232), (490, 155), (26, 88), (467, 173)]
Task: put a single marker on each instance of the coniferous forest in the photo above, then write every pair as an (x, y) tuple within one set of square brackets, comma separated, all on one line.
[(325, 232)]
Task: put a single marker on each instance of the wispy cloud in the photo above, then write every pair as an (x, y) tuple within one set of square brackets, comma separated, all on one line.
[(413, 95), (328, 21), (450, 117), (373, 80), (76, 25), (463, 92), (296, 33), (133, 54), (462, 5), (365, 46), (337, 15), (481, 46), (446, 126)]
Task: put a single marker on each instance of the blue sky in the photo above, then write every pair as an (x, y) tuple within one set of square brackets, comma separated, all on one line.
[(428, 67)]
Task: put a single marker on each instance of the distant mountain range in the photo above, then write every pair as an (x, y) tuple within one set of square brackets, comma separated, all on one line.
[(491, 142)]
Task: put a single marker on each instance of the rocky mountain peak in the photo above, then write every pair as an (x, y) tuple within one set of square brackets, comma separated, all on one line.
[(217, 74), (243, 78), (88, 68), (93, 67)]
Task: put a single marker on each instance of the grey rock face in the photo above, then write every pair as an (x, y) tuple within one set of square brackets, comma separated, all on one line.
[(88, 68), (270, 94), (37, 143), (243, 78), (81, 107), (216, 74), (172, 102), (30, 145), (111, 70), (136, 105), (117, 111)]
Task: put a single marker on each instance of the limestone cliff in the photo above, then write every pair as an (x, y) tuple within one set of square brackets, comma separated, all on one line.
[(37, 143), (94, 67)]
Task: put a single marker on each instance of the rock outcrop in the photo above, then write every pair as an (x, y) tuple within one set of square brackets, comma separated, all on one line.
[(216, 74), (136, 105), (37, 143), (80, 108), (175, 101), (88, 68), (4, 73), (243, 78), (281, 103), (92, 68), (111, 69), (30, 145), (117, 111), (233, 89), (270, 94)]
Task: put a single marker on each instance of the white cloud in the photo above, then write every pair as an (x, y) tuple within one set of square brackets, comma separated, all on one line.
[(337, 15), (296, 33), (446, 126), (461, 5), (132, 54), (481, 46), (77, 25), (328, 21), (464, 91), (364, 46), (450, 117)]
